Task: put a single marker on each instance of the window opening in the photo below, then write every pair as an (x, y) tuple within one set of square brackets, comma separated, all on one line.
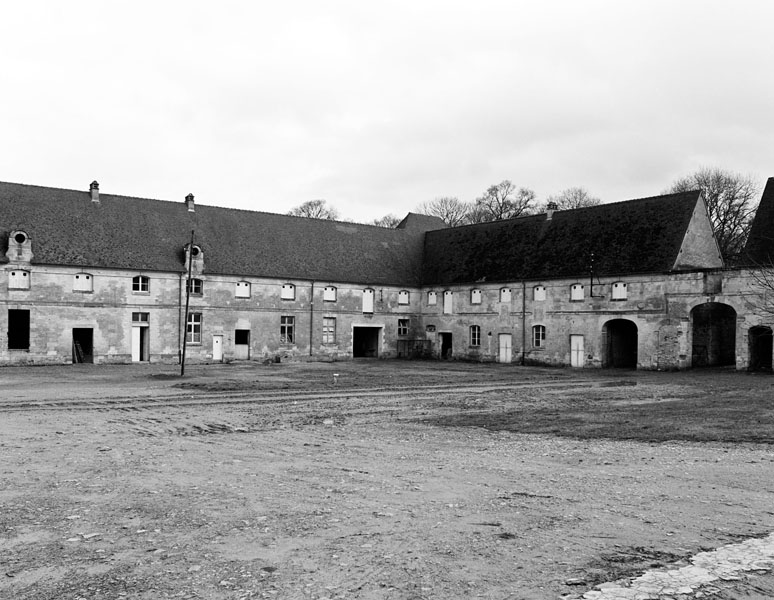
[(539, 293), (329, 330), (18, 329), (195, 287), (577, 291), (19, 280), (505, 295), (448, 295), (403, 297), (538, 336), (140, 284), (403, 326), (287, 330), (288, 291), (475, 335), (368, 300), (82, 282), (475, 296), (193, 330), (432, 298), (619, 291), (242, 289)]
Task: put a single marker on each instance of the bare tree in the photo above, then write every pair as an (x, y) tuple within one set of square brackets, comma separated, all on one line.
[(731, 202), (502, 201), (315, 209), (574, 197), (390, 221), (450, 209)]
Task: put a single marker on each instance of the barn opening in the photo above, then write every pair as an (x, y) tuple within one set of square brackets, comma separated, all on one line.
[(714, 335), (365, 342), (18, 329), (621, 344), (242, 344), (83, 345), (760, 344), (446, 344)]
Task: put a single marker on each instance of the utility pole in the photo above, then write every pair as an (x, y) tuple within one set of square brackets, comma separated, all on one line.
[(187, 300)]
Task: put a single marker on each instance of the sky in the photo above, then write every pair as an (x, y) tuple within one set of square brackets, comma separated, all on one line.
[(379, 107)]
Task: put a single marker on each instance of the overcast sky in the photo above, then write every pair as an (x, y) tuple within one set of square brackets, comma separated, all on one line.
[(377, 107)]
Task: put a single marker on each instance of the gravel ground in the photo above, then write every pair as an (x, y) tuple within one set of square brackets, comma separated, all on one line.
[(275, 481)]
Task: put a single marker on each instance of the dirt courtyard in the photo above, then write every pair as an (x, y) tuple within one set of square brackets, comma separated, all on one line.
[(374, 479)]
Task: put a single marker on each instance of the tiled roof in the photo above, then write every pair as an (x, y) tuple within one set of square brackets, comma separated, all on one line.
[(67, 228), (637, 236), (760, 243)]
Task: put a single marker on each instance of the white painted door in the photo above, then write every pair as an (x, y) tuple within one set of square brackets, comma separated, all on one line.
[(506, 355), (136, 332), (577, 352), (217, 347)]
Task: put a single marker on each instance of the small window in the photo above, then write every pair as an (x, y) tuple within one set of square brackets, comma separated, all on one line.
[(329, 294), (287, 330), (140, 284), (288, 291), (619, 291), (539, 293), (576, 292), (475, 296), (193, 329), (505, 295), (432, 298), (242, 289), (195, 287), (403, 297), (403, 326), (368, 300), (140, 317), (475, 335), (538, 336), (83, 282), (19, 280), (329, 330), (448, 299)]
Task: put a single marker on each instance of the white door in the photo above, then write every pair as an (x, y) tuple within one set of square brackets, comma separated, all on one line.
[(506, 354), (577, 352), (217, 347), (136, 331)]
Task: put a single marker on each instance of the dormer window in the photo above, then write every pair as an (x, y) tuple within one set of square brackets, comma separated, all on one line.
[(576, 292), (475, 296), (329, 294), (83, 282), (19, 280), (403, 297), (505, 295), (619, 291), (140, 284), (288, 291), (195, 287), (242, 289)]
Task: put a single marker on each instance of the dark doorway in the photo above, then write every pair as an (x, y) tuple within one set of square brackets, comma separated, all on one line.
[(365, 342), (446, 345), (83, 349), (18, 329), (714, 335), (621, 344), (242, 344), (761, 347)]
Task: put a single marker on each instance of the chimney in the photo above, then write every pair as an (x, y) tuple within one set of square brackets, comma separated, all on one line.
[(550, 208), (189, 202), (94, 191)]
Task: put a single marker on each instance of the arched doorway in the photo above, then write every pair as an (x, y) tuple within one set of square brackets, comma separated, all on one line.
[(761, 347), (621, 345), (714, 335)]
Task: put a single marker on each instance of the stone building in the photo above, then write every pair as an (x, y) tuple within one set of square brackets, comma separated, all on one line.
[(92, 277)]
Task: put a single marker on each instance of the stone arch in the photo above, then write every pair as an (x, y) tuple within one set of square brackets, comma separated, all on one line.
[(759, 339), (713, 326), (621, 341)]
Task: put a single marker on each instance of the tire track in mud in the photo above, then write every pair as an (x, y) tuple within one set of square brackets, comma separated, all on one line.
[(235, 397)]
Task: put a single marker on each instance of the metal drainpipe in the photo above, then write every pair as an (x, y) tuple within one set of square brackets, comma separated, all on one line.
[(523, 322), (311, 320)]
